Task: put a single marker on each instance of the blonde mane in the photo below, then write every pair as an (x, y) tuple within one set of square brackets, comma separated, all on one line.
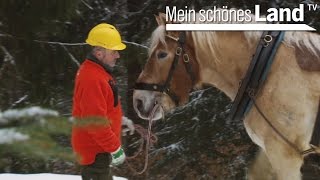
[(158, 36), (301, 39)]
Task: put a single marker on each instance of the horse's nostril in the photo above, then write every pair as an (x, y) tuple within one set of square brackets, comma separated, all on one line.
[(140, 105)]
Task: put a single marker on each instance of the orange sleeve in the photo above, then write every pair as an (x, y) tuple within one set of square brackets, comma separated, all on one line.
[(105, 138)]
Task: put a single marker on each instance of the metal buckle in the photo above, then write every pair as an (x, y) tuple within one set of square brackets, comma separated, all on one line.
[(166, 91), (178, 51), (251, 92), (186, 58), (155, 87), (267, 38)]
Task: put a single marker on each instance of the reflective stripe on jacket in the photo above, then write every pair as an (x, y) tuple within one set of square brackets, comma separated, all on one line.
[(97, 120)]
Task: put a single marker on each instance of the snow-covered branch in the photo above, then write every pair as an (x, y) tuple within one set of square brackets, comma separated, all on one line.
[(60, 43), (71, 56), (136, 44), (19, 101), (11, 115), (68, 44), (182, 109), (5, 35), (8, 57), (86, 4), (11, 135)]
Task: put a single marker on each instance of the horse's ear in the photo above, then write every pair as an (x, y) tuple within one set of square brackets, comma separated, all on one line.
[(157, 19), (161, 19)]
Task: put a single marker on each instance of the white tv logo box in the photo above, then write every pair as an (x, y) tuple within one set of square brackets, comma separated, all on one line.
[(223, 19)]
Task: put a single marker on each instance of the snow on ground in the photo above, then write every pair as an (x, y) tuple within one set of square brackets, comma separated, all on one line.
[(44, 176)]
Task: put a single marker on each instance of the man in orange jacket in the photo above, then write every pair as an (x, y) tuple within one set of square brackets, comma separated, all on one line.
[(96, 106)]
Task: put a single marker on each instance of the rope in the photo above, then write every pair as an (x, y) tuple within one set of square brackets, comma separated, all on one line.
[(149, 137), (279, 133), (144, 137)]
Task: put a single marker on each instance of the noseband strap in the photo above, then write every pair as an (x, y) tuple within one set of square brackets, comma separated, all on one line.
[(165, 88), (159, 88)]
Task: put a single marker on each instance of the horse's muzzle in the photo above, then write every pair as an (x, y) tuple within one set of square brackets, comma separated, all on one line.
[(144, 102)]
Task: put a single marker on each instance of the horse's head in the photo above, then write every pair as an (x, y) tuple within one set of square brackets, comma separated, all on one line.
[(169, 74)]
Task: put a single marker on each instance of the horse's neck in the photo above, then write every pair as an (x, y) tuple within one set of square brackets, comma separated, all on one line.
[(233, 54)]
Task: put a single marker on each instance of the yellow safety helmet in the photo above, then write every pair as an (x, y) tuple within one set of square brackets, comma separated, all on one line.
[(106, 36)]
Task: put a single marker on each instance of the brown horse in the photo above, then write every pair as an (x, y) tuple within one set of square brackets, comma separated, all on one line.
[(289, 97)]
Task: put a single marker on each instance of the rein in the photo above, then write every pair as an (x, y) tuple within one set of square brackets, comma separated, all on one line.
[(150, 138), (165, 88)]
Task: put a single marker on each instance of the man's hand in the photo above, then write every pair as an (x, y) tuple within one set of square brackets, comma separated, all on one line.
[(118, 157), (130, 127)]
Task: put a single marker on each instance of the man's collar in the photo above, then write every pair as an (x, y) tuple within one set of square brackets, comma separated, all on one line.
[(106, 67)]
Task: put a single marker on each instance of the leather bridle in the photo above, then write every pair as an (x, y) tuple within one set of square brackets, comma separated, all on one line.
[(165, 88)]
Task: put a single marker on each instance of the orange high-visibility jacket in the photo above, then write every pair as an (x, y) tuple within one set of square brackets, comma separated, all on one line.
[(94, 99)]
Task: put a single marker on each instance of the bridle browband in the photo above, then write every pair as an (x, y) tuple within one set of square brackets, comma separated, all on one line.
[(165, 88)]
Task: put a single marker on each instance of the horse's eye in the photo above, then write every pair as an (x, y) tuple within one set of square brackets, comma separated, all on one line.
[(162, 55)]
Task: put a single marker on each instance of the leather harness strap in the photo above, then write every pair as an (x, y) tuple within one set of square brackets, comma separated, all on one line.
[(165, 88), (256, 73)]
